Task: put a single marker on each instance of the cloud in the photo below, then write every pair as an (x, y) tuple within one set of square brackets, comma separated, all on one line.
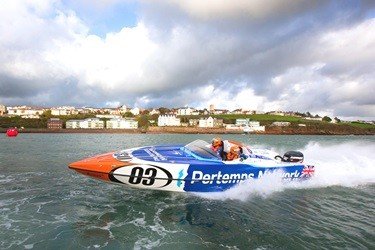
[(261, 55), (236, 9)]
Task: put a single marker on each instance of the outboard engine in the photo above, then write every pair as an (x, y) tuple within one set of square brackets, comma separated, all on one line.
[(293, 156)]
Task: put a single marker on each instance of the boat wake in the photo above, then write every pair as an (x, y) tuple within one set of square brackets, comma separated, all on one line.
[(347, 164)]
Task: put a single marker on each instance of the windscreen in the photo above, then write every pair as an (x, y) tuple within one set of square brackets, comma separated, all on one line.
[(202, 149)]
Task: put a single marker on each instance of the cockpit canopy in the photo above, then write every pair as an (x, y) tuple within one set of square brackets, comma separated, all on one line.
[(202, 150)]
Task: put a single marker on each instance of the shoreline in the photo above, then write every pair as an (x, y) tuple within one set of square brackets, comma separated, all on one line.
[(190, 130)]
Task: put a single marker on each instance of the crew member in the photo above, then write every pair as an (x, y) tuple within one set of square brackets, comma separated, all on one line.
[(234, 153), (217, 145)]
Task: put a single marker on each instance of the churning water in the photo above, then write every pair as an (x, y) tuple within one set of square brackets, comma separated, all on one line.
[(43, 204)]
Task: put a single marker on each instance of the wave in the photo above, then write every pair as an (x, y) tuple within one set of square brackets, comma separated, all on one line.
[(347, 164)]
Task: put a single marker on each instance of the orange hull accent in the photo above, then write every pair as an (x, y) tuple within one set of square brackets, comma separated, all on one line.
[(98, 167)]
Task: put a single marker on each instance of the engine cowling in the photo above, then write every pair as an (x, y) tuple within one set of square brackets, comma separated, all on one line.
[(293, 156)]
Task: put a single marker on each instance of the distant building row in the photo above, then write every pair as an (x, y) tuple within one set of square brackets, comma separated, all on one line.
[(35, 112), (93, 123), (172, 120)]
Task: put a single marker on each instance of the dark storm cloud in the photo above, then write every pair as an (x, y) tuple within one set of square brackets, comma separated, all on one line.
[(13, 87)]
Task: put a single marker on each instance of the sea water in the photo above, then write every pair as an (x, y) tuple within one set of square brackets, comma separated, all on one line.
[(43, 204)]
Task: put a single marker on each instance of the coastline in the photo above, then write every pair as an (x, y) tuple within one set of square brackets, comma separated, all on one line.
[(193, 130)]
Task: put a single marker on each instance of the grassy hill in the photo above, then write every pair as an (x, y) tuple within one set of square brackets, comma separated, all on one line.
[(311, 127)]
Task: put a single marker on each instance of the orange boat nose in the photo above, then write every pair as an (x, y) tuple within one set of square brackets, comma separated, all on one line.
[(98, 166)]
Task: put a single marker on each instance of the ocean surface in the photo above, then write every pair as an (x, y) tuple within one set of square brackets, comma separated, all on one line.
[(45, 205)]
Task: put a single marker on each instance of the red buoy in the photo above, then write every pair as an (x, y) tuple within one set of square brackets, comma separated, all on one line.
[(12, 132)]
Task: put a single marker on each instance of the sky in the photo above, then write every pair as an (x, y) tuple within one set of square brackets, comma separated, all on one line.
[(291, 55)]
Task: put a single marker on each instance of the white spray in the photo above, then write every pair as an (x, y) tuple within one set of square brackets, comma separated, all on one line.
[(347, 164)]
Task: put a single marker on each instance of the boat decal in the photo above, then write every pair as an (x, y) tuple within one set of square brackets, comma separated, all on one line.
[(180, 175), (308, 171), (143, 175)]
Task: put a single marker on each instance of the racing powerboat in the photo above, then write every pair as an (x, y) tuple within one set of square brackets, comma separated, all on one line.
[(194, 167)]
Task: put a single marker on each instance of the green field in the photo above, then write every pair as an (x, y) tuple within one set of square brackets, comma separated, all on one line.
[(362, 125), (262, 117), (143, 121)]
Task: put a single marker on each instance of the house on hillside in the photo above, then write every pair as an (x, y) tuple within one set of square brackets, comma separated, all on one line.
[(64, 110), (280, 124), (2, 110), (25, 111), (154, 112), (89, 123), (135, 111), (193, 122), (314, 118), (220, 111), (122, 124), (280, 113), (168, 120), (237, 112), (210, 122), (54, 123), (185, 111)]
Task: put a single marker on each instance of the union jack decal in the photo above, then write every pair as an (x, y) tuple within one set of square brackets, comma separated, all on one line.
[(308, 171)]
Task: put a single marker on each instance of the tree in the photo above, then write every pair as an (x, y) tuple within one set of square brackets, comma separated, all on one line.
[(128, 114), (143, 121), (145, 112), (163, 110), (326, 119)]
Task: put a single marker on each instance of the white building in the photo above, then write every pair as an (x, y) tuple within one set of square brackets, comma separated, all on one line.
[(87, 110), (237, 111), (123, 109), (280, 113), (65, 110), (154, 112), (168, 120), (122, 124), (193, 122), (242, 122), (281, 124), (109, 116), (25, 111), (211, 108), (232, 127), (254, 126), (72, 124), (335, 120), (314, 118), (206, 122), (185, 111), (220, 111), (2, 109), (89, 123), (135, 111), (210, 122)]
